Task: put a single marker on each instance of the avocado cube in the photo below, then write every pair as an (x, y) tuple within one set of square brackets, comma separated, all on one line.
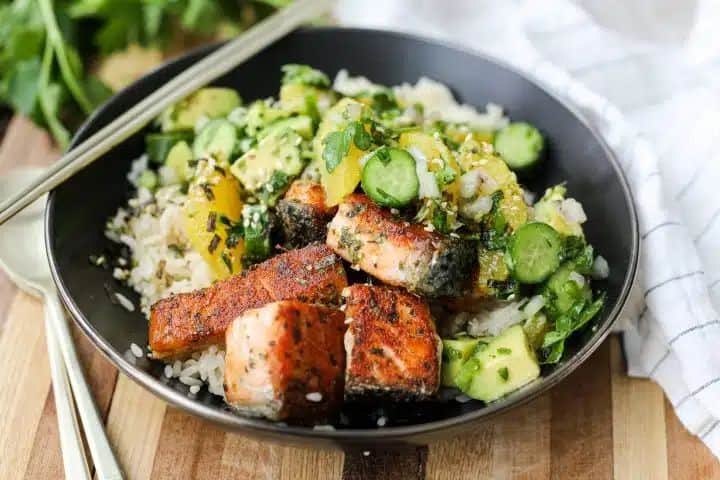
[(506, 364)]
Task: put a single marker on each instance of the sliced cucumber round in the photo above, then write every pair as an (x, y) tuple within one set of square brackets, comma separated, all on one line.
[(534, 251), (216, 139), (520, 145), (389, 177)]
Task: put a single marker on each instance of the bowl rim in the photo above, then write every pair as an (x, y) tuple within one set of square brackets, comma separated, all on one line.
[(241, 424)]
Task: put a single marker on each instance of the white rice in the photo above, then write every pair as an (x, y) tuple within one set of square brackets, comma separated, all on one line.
[(437, 101), (493, 322), (136, 350), (162, 261), (601, 269), (573, 211), (577, 278), (314, 397), (352, 86), (205, 368), (162, 264)]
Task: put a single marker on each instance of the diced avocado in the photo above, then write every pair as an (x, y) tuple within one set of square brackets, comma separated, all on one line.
[(455, 353), (298, 74), (303, 125), (211, 102), (276, 152), (179, 159), (216, 139), (158, 145), (305, 99), (562, 291), (506, 364), (261, 114)]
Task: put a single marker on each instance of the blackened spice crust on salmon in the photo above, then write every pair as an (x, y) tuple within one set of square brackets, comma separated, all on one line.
[(184, 323)]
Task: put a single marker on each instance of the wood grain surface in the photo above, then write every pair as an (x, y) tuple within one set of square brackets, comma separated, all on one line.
[(597, 424)]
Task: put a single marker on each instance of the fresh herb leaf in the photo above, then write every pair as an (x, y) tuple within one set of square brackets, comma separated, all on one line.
[(336, 147), (572, 247), (495, 234), (445, 176), (361, 138), (504, 374), (577, 318), (383, 101), (274, 188), (383, 154), (337, 144)]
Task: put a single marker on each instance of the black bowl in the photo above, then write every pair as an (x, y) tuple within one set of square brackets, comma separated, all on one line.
[(77, 212)]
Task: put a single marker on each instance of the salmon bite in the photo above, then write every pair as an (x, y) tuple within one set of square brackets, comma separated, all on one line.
[(398, 252), (184, 323), (285, 361)]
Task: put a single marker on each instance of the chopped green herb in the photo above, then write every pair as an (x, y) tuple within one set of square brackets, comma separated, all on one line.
[(504, 373)]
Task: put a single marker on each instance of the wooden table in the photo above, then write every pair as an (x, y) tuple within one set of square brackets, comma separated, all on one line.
[(597, 424)]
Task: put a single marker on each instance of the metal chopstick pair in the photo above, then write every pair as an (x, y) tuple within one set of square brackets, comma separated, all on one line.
[(201, 73)]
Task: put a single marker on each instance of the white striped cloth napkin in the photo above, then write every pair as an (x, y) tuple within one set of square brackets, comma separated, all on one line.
[(645, 74)]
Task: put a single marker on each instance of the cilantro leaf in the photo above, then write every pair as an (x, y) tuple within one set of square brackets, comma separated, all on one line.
[(336, 147), (361, 138), (337, 144), (579, 315)]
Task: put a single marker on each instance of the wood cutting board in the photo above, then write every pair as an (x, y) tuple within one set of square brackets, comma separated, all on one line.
[(597, 424)]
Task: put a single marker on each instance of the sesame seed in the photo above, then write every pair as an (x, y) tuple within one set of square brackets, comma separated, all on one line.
[(136, 350), (381, 421)]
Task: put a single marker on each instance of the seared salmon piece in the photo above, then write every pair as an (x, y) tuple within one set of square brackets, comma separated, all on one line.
[(184, 323), (303, 213), (286, 361), (391, 344), (398, 252)]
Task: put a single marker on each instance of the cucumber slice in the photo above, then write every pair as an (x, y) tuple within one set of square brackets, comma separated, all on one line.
[(389, 177), (534, 250), (216, 139), (520, 145), (158, 145), (256, 227)]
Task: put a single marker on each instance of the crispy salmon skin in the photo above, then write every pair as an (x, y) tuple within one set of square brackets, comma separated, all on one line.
[(400, 253), (303, 213), (391, 344), (184, 323), (285, 361)]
